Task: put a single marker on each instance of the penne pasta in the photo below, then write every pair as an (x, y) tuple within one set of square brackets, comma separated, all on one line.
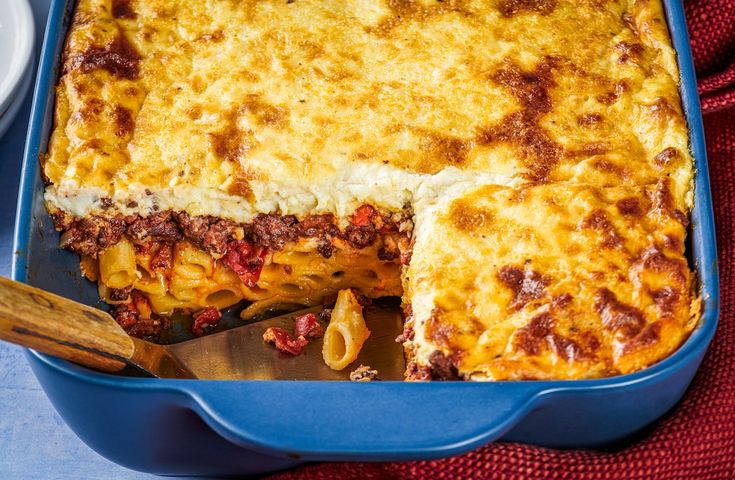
[(346, 332), (154, 284), (89, 267), (221, 296), (117, 265), (166, 304), (195, 259), (191, 268)]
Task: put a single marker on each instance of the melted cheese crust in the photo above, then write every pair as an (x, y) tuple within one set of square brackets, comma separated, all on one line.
[(541, 144), (232, 108), (554, 281)]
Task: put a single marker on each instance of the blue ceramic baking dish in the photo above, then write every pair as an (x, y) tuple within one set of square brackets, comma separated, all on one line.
[(199, 427)]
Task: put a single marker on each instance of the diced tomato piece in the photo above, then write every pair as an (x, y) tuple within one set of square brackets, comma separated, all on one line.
[(205, 320), (308, 326), (283, 341), (246, 260), (363, 215)]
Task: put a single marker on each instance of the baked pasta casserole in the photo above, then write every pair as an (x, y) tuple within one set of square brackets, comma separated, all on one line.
[(518, 171)]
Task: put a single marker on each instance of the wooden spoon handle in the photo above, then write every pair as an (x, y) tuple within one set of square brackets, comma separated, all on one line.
[(61, 327)]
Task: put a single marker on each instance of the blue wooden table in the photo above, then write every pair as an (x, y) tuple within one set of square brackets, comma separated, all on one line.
[(34, 441)]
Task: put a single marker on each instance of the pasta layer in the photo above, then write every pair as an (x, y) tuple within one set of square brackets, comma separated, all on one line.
[(190, 264)]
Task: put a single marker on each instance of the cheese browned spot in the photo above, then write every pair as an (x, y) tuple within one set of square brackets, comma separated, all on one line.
[(468, 218), (215, 36), (264, 113), (526, 284), (663, 111), (123, 119), (629, 207), (444, 149), (616, 316), (598, 220), (628, 51), (118, 57), (521, 129), (612, 168), (612, 96), (402, 11), (663, 200), (666, 156), (531, 339), (123, 9), (509, 8), (241, 187), (232, 143)]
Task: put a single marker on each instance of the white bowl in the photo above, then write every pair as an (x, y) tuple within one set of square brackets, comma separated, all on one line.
[(16, 47)]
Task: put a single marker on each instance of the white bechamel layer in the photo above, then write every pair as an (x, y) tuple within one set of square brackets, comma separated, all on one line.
[(378, 185), (422, 299)]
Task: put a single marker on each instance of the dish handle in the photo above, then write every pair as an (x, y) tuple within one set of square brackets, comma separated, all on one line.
[(386, 421)]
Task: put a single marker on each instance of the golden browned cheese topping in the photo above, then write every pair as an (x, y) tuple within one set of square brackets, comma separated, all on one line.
[(540, 143), (555, 281), (233, 108)]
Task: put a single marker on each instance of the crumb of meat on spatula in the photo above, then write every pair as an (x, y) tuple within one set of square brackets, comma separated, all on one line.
[(307, 326), (283, 341), (205, 321), (363, 373)]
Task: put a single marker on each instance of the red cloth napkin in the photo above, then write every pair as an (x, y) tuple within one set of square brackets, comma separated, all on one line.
[(696, 440)]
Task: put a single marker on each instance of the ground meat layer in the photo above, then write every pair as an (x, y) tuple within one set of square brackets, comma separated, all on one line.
[(90, 235)]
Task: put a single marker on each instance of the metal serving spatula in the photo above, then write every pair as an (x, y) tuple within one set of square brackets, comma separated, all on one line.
[(51, 324)]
